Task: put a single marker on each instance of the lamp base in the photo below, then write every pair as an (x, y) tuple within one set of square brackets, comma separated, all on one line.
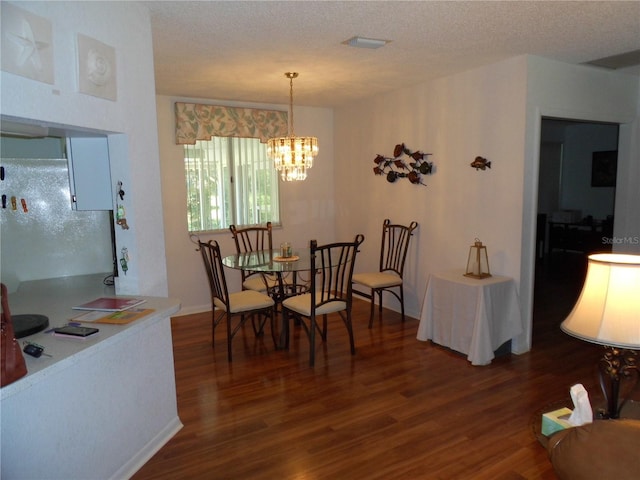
[(618, 375), (630, 409)]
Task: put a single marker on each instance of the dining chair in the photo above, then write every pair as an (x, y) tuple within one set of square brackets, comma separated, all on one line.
[(330, 291), (393, 254), (243, 304), (253, 239)]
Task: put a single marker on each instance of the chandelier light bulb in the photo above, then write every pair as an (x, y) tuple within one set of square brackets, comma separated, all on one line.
[(292, 156)]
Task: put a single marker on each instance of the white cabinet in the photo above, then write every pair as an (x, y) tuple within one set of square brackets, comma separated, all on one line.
[(89, 173)]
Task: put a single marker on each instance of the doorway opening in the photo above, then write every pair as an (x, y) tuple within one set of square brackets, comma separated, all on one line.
[(576, 203)]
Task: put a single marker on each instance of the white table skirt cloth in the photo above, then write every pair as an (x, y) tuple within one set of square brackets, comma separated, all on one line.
[(469, 315)]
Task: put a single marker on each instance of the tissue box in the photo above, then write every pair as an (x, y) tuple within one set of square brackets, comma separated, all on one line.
[(555, 421)]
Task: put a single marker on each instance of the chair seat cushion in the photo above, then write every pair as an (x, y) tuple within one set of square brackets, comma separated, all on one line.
[(244, 301), (257, 283), (377, 279), (302, 305)]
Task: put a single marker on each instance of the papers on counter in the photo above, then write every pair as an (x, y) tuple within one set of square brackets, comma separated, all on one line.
[(118, 318), (110, 304)]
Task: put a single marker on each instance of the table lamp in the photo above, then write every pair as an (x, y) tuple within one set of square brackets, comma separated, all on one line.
[(608, 313)]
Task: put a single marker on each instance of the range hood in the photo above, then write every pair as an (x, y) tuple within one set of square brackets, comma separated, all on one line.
[(23, 130)]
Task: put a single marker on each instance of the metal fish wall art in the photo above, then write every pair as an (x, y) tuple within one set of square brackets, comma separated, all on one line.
[(413, 168), (481, 163)]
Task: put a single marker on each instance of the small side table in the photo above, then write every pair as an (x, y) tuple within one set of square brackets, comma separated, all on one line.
[(470, 316)]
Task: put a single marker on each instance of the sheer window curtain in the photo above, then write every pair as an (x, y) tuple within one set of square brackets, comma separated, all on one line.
[(256, 183), (229, 178)]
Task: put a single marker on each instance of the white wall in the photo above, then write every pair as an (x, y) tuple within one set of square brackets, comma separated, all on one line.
[(307, 208), (627, 223), (577, 92), (130, 121), (477, 113), (495, 112)]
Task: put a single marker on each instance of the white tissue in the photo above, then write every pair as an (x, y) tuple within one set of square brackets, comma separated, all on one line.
[(582, 412)]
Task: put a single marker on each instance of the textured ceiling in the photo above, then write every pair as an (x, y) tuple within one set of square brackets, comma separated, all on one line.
[(239, 50)]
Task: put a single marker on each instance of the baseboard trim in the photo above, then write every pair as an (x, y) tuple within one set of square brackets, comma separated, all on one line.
[(149, 450)]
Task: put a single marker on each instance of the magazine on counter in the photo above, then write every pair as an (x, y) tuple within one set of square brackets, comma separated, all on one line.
[(110, 304)]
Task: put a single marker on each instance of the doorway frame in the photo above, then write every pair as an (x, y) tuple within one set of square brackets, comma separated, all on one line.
[(628, 140)]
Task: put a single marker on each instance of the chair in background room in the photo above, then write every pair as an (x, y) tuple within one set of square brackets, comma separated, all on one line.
[(330, 291), (244, 304), (253, 239), (393, 253)]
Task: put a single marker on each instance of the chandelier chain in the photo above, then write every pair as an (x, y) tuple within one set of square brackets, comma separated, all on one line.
[(291, 132)]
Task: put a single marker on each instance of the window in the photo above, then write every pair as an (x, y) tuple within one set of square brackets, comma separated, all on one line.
[(230, 180)]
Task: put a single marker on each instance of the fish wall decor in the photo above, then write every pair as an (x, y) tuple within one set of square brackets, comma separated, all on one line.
[(480, 163), (412, 168)]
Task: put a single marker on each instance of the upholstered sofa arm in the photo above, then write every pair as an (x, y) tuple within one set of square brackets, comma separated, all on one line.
[(604, 449)]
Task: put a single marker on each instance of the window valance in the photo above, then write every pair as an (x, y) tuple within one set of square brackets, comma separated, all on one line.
[(201, 122)]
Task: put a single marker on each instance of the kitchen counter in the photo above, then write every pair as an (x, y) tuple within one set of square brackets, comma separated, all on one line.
[(99, 407)]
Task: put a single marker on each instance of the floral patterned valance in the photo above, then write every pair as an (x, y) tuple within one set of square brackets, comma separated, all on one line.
[(201, 122)]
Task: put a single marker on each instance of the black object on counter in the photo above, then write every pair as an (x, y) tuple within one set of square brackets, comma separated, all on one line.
[(28, 324)]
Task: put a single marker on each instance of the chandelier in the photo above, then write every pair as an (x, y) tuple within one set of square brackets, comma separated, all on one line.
[(292, 155)]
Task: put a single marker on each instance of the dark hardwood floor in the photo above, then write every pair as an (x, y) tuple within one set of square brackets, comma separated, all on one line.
[(399, 408)]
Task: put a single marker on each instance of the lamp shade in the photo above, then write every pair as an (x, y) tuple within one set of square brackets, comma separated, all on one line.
[(608, 309)]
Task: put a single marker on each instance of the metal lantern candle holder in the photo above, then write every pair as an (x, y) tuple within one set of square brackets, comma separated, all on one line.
[(478, 261)]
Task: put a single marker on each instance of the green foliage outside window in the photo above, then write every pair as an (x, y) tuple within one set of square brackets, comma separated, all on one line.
[(230, 181)]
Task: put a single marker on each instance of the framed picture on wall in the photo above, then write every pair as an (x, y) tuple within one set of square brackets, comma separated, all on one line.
[(604, 167), (96, 68), (27, 44)]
